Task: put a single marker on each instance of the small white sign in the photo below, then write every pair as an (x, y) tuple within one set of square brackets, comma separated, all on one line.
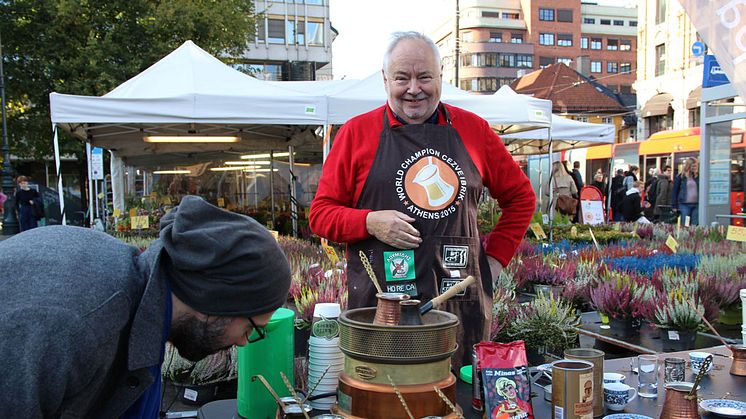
[(673, 335), (592, 212), (97, 163), (190, 394)]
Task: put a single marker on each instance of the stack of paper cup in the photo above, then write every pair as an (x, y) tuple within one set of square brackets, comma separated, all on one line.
[(323, 352)]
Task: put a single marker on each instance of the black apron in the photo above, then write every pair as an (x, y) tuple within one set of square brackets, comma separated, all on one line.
[(425, 171)]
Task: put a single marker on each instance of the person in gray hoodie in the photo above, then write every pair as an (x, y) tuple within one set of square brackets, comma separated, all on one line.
[(663, 194), (85, 317)]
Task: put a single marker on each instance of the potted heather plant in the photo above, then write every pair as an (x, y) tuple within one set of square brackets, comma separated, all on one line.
[(677, 320), (546, 274), (212, 378), (623, 298)]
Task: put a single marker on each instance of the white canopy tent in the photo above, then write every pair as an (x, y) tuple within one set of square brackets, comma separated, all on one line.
[(566, 134)]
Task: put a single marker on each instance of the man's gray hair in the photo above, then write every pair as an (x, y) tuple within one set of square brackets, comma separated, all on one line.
[(397, 37)]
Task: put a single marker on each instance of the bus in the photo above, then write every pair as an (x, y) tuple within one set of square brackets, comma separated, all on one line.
[(672, 148)]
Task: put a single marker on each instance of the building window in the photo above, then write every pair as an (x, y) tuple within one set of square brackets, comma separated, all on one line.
[(584, 42), (564, 39), (612, 44), (315, 32), (595, 43), (606, 21), (565, 61), (271, 72), (607, 120), (625, 45), (496, 36), (581, 118), (633, 23), (276, 31), (510, 16), (296, 32), (660, 59), (595, 66), (524, 61), (661, 7), (482, 59), (612, 67), (625, 68), (480, 84), (261, 30), (506, 60), (503, 81), (546, 39), (625, 88), (546, 14), (589, 20), (545, 61), (564, 15), (516, 38), (465, 37), (618, 23), (491, 14)]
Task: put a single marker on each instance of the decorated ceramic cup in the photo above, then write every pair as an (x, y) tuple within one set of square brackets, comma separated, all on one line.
[(613, 377), (697, 359), (617, 395)]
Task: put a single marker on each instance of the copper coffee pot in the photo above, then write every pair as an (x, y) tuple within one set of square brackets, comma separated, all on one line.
[(681, 400), (738, 367)]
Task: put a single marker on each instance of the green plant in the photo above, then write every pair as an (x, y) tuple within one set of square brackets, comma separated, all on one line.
[(675, 311), (220, 366), (545, 323)]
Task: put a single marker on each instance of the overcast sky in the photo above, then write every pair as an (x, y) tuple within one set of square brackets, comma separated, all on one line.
[(364, 27)]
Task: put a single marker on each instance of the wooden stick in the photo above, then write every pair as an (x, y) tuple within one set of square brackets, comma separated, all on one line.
[(712, 328), (294, 394), (270, 389), (369, 269)]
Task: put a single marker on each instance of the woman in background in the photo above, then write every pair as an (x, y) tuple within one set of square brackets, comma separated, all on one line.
[(26, 198), (562, 184), (686, 191)]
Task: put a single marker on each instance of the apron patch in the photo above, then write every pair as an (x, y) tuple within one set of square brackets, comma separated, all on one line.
[(446, 283), (409, 288), (455, 256), (399, 265)]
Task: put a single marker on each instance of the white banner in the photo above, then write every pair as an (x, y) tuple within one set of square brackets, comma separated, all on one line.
[(720, 24)]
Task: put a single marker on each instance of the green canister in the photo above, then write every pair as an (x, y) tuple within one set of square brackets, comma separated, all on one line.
[(267, 357)]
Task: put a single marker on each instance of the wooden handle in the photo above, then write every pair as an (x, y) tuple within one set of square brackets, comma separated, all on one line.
[(461, 286)]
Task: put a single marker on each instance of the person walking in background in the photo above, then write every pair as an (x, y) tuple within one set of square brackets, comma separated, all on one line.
[(26, 200), (686, 191), (650, 193), (577, 177), (663, 188), (599, 181), (631, 176), (3, 198), (618, 191), (632, 204), (563, 187)]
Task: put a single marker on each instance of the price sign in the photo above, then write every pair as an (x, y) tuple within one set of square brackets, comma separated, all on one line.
[(574, 231), (538, 231), (592, 211), (687, 221), (221, 202), (736, 233), (139, 222), (117, 213), (672, 243), (133, 212)]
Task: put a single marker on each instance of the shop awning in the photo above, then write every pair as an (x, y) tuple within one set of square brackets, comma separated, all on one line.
[(657, 105), (693, 101)]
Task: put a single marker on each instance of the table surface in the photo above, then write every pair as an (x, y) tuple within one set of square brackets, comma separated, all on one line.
[(647, 340), (718, 384)]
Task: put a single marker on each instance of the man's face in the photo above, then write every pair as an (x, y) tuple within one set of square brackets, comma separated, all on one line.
[(196, 338), (413, 81)]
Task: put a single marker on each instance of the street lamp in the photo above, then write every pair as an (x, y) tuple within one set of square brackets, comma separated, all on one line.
[(10, 221)]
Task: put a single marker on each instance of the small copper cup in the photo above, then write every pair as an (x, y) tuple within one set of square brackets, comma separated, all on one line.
[(410, 313), (738, 367), (388, 310), (679, 404)]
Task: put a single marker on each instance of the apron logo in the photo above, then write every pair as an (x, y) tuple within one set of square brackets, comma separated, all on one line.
[(446, 283), (409, 288), (455, 256), (430, 184), (399, 265)]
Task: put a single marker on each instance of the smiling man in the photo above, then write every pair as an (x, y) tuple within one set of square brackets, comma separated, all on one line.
[(402, 184), (85, 317)]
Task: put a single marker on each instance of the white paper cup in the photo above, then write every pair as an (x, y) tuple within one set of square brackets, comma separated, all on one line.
[(323, 404), (325, 351), (324, 356), (323, 342), (327, 310)]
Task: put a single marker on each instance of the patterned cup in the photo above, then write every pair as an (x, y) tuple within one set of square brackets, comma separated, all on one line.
[(697, 359), (617, 395), (614, 377)]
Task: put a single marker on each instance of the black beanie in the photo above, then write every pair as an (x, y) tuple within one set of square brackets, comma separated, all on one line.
[(222, 263)]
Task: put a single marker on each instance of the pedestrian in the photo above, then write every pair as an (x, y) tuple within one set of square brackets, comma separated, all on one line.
[(3, 198), (85, 317), (650, 193), (632, 204), (402, 184), (686, 191), (563, 190), (618, 190), (663, 192), (28, 202), (631, 176), (577, 177)]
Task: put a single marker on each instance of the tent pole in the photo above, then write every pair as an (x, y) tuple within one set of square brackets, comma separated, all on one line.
[(608, 189), (551, 190), (272, 187), (117, 182), (293, 198), (90, 186), (326, 143), (60, 193)]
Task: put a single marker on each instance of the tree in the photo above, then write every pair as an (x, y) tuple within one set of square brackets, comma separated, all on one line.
[(88, 47)]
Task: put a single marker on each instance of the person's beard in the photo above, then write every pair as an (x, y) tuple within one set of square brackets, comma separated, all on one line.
[(196, 339)]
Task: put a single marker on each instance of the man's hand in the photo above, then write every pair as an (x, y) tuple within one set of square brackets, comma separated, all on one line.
[(495, 267), (393, 228)]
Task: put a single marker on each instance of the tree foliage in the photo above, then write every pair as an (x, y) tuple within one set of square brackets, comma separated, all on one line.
[(88, 47)]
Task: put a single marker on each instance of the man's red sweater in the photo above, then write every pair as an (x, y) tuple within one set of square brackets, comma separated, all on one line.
[(333, 214)]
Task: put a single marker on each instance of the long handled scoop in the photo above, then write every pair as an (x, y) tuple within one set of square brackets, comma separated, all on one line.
[(701, 316), (460, 287)]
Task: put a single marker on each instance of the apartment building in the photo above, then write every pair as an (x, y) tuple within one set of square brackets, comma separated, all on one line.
[(293, 41), (503, 40), (669, 75)]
